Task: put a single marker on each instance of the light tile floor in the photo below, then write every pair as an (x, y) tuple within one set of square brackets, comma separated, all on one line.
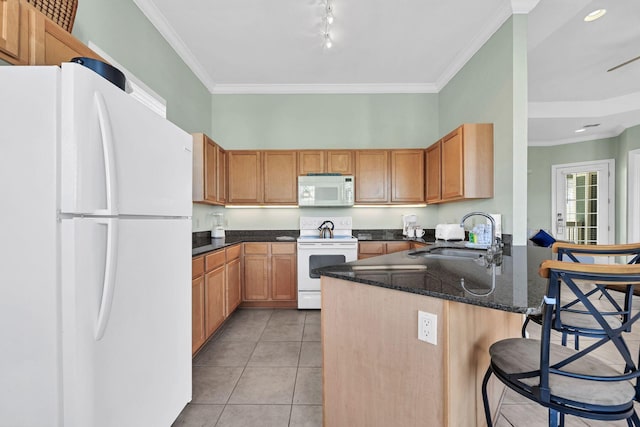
[(264, 368)]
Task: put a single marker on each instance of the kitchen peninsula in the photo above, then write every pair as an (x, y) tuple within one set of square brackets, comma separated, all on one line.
[(377, 372)]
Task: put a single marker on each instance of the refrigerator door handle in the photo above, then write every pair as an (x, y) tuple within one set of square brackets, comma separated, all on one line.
[(109, 162), (110, 268)]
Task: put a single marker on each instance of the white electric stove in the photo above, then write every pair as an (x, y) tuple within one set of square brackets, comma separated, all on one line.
[(315, 252)]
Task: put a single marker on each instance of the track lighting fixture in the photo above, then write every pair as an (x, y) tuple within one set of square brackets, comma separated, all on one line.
[(328, 19)]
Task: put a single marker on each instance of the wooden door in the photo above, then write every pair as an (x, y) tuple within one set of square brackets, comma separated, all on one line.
[(197, 314), (10, 27), (214, 285), (53, 45), (407, 176), (221, 176), (245, 177), (283, 272), (280, 177), (340, 161), (372, 176), (452, 165), (433, 177), (311, 161), (210, 170), (398, 246), (234, 292), (256, 272), (370, 249)]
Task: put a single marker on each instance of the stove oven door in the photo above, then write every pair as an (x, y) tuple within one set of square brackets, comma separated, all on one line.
[(316, 255)]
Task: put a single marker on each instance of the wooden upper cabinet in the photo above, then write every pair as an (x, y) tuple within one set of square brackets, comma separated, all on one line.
[(245, 177), (280, 177), (407, 176), (40, 41), (340, 161), (452, 165), (466, 164), (311, 161), (208, 171), (10, 28), (433, 175), (325, 161), (372, 176), (221, 176)]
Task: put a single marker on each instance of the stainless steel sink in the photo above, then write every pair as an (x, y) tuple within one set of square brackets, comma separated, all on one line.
[(439, 252)]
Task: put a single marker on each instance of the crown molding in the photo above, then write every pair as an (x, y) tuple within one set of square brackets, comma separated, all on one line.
[(220, 89), (600, 108), (500, 16), (602, 135), (159, 21)]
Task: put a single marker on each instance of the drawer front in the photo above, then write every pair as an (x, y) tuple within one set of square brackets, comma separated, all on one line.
[(283, 248), (256, 248), (233, 252), (214, 260), (197, 267)]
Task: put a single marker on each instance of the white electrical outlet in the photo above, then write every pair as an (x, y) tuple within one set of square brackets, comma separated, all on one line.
[(428, 327)]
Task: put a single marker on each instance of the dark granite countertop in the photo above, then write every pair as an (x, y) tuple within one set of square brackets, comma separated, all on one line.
[(518, 287), (202, 242)]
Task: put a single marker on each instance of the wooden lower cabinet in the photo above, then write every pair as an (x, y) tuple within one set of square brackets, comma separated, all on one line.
[(269, 275), (215, 292), (371, 249), (214, 296), (198, 336), (233, 283)]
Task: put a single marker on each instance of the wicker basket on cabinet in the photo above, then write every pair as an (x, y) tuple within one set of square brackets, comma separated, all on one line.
[(62, 12)]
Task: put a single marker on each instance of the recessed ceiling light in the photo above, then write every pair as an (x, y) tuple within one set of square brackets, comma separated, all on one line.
[(599, 13), (580, 130)]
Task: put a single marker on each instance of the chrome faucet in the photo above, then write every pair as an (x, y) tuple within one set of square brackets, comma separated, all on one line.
[(494, 252)]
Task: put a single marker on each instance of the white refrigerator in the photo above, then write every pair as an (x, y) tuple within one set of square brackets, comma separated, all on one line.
[(95, 254)]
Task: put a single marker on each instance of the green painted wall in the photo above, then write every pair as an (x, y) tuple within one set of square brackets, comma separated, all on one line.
[(484, 92), (325, 121), (120, 29), (321, 121), (542, 158)]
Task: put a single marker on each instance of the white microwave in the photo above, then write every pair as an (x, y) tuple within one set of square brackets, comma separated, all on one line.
[(325, 190)]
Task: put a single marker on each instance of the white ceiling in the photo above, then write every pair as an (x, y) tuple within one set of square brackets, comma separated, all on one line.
[(415, 46)]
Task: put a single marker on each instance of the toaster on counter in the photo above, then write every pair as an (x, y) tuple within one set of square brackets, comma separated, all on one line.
[(449, 232)]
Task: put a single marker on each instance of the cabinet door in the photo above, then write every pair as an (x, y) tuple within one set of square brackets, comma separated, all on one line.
[(452, 165), (398, 246), (210, 170), (10, 27), (221, 176), (311, 161), (214, 300), (280, 177), (372, 176), (283, 271), (256, 278), (407, 176), (370, 249), (340, 161), (197, 314), (433, 182), (234, 293), (52, 45), (245, 177)]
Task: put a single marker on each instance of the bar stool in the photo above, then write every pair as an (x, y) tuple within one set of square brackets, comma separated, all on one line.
[(575, 320), (564, 380)]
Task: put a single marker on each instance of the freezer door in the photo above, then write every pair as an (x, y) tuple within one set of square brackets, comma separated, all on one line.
[(117, 156), (126, 320)]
